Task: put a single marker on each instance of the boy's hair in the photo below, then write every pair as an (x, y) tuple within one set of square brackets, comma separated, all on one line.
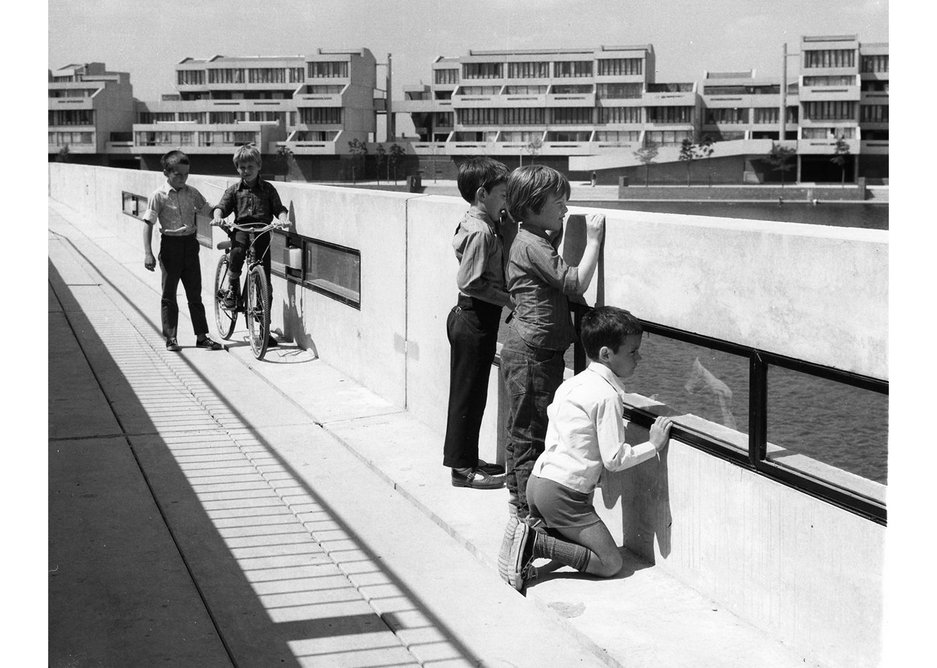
[(480, 172), (247, 153), (606, 326), (171, 159), (529, 187)]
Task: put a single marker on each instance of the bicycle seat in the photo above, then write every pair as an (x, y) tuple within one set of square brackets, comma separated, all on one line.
[(224, 245)]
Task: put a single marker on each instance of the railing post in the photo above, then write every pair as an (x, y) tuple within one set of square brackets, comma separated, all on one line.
[(757, 409)]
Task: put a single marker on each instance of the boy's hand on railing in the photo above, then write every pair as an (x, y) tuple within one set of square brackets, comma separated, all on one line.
[(660, 432), (595, 227)]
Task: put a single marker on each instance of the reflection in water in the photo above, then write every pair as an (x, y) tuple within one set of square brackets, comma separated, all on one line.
[(702, 378)]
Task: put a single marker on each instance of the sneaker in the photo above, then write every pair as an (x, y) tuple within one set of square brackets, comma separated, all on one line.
[(173, 345), (208, 344), (505, 552), (519, 557), (490, 469), (477, 479)]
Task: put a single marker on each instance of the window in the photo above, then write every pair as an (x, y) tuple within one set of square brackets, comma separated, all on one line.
[(827, 133), (874, 86), (217, 117), (478, 90), (524, 116), (572, 68), (525, 137), (528, 70), (132, 205), (830, 110), (567, 136), (71, 117), (226, 76), (192, 116), (728, 116), (765, 115), (446, 76), (617, 136), (830, 81), (620, 115), (620, 91), (874, 113), (830, 58), (877, 63), (668, 137), (478, 116), (190, 77), (670, 88), (669, 114), (296, 74), (149, 117), (481, 71), (320, 115), (572, 115), (819, 430), (571, 89), (327, 70), (620, 67), (266, 75), (332, 270), (525, 90)]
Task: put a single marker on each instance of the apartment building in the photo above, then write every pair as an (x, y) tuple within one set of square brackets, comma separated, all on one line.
[(89, 108), (314, 104)]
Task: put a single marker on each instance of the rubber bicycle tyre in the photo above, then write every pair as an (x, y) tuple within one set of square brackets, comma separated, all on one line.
[(225, 318), (257, 311)]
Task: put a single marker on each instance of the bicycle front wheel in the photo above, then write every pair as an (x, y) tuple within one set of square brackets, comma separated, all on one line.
[(258, 311), (225, 318)]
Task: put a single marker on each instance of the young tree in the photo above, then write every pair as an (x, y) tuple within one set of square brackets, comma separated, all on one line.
[(393, 159), (63, 154), (687, 155), (647, 154), (779, 157), (358, 151), (841, 157), (533, 148), (380, 157)]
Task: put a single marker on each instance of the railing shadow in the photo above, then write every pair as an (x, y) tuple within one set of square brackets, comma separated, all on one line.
[(286, 580)]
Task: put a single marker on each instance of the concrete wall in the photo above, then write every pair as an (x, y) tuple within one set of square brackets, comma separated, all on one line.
[(803, 570)]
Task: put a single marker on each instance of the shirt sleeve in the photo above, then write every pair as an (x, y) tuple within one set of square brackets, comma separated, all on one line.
[(152, 209), (618, 455), (201, 204), (547, 264), (471, 278), (226, 203), (276, 205)]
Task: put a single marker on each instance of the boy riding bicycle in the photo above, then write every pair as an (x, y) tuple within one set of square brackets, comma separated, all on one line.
[(255, 203)]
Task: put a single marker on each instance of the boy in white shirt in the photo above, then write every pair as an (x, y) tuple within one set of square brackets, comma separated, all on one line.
[(585, 433)]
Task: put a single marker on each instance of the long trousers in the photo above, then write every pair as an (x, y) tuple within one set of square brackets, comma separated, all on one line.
[(178, 260), (472, 328)]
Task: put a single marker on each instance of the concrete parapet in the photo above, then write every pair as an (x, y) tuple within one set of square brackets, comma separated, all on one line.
[(792, 193), (803, 570)]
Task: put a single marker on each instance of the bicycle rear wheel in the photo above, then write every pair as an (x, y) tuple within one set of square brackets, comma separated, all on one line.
[(225, 318), (258, 311)]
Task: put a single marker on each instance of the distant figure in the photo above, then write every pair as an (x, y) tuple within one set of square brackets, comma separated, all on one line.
[(814, 201), (472, 324), (701, 377), (780, 200), (585, 436), (174, 205), (593, 179)]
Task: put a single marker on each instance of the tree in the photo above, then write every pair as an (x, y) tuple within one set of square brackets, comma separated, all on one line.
[(380, 157), (647, 154), (285, 158), (779, 157), (393, 159), (841, 157), (687, 155), (358, 151), (63, 154), (533, 147)]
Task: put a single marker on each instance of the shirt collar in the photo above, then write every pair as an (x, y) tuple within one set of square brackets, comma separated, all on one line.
[(166, 188), (242, 185), (475, 212), (536, 231), (608, 376)]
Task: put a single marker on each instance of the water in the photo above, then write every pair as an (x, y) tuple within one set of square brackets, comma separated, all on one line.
[(867, 215)]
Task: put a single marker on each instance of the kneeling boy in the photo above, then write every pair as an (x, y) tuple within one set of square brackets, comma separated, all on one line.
[(585, 433)]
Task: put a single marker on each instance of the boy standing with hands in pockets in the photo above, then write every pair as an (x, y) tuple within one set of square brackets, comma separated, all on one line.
[(472, 325)]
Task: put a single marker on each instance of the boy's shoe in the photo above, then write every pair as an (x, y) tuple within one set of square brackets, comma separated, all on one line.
[(208, 344), (505, 552), (230, 299), (490, 469), (477, 479), (173, 345), (271, 342), (519, 557)]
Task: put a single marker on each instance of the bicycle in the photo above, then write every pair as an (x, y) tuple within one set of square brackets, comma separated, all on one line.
[(253, 299)]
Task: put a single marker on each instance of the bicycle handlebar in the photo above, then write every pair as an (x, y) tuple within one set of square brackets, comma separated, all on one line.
[(274, 224)]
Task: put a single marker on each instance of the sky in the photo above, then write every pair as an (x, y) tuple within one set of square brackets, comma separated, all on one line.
[(148, 37)]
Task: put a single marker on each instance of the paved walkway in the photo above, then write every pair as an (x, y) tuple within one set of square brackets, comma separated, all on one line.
[(206, 509)]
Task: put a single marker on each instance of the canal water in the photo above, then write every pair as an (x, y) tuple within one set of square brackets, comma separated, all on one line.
[(869, 215)]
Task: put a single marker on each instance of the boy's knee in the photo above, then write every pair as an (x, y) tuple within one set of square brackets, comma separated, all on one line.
[(610, 565)]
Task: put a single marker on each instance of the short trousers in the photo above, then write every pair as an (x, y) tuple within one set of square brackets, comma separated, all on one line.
[(559, 506)]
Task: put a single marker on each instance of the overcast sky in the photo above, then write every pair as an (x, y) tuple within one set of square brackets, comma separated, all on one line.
[(148, 37)]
